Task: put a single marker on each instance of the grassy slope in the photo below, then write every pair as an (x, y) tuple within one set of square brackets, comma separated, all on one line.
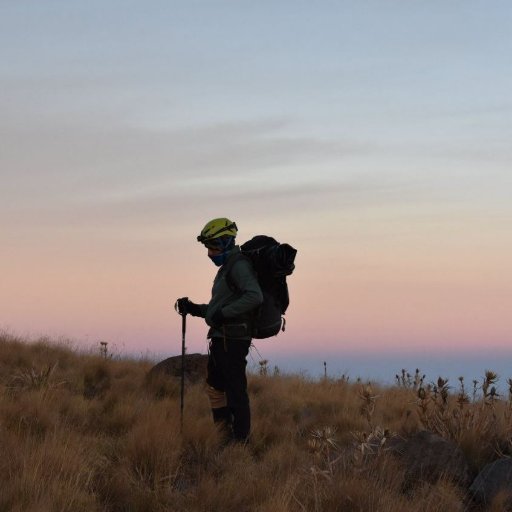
[(119, 447)]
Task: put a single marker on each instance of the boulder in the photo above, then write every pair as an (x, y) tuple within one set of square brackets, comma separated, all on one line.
[(195, 367), (494, 479), (429, 457)]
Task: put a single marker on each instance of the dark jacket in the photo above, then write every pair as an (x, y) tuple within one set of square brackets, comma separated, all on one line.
[(238, 302)]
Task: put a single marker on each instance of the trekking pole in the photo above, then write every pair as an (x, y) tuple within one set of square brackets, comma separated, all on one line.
[(183, 331)]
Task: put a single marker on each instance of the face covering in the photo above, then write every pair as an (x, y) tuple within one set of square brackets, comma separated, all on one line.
[(226, 244), (219, 259)]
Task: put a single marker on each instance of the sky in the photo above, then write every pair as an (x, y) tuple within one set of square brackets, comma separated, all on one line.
[(373, 136)]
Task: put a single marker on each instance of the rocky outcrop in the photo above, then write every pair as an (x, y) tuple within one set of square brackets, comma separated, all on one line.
[(429, 457), (195, 367), (494, 479)]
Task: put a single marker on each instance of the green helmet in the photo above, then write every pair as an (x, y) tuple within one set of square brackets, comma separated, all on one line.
[(217, 228)]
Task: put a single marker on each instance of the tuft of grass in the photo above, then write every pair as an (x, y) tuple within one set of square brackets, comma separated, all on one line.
[(97, 379)]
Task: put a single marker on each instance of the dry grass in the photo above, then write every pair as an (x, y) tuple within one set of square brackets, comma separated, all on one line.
[(83, 432)]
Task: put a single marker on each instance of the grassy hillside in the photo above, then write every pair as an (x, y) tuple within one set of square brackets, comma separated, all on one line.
[(82, 432)]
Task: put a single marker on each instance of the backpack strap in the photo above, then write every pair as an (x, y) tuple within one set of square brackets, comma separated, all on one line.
[(229, 266)]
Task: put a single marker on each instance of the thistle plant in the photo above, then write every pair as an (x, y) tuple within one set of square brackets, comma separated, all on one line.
[(344, 379), (368, 405), (324, 446), (406, 380), (104, 349), (475, 390), (424, 395), (434, 418), (418, 379), (441, 390), (323, 440), (488, 388), (462, 396), (370, 444)]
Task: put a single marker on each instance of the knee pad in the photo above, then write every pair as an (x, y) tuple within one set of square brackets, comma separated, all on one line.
[(217, 398)]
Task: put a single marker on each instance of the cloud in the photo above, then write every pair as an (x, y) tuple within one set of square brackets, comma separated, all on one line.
[(66, 147), (48, 159), (83, 170), (156, 210)]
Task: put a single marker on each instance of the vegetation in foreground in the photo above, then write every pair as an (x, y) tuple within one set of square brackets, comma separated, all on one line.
[(90, 433)]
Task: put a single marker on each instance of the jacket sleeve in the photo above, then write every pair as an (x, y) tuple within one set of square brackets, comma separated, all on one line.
[(203, 309), (249, 296)]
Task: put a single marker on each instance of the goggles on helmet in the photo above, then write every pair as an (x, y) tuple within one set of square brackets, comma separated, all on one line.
[(209, 239)]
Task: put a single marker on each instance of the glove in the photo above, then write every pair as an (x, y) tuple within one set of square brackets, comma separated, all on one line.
[(187, 307), (181, 305), (218, 318)]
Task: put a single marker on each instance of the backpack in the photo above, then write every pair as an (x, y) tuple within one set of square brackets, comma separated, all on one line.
[(272, 262)]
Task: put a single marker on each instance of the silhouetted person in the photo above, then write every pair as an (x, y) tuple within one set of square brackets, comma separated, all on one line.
[(230, 315)]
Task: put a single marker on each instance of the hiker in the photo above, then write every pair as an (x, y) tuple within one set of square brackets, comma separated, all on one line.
[(229, 314)]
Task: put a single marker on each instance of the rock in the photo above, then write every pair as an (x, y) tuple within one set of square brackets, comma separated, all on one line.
[(195, 367), (429, 457), (495, 478)]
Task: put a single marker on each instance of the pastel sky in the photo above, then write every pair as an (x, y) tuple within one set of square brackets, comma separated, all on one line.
[(374, 136)]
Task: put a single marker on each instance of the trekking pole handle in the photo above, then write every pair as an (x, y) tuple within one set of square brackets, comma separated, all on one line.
[(177, 307)]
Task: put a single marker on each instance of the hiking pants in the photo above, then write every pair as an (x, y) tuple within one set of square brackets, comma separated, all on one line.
[(226, 374)]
